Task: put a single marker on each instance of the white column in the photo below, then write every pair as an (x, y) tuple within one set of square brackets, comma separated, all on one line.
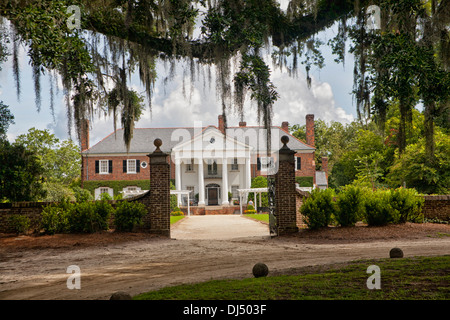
[(224, 181), (248, 173), (178, 179), (201, 183)]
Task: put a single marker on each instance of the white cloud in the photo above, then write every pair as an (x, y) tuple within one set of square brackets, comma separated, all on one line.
[(297, 100)]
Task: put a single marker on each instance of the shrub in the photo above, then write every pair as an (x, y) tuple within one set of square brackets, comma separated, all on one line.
[(83, 218), (406, 205), (82, 194), (104, 210), (250, 209), (19, 223), (54, 218), (129, 214), (176, 212), (377, 208), (105, 196), (350, 206), (319, 208)]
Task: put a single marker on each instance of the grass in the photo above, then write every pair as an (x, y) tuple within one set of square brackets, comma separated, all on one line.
[(419, 278), (261, 217), (174, 219)]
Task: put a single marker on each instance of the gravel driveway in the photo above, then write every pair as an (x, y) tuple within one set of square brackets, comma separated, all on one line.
[(218, 227)]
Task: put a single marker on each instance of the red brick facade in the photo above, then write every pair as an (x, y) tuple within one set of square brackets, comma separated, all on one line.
[(90, 173)]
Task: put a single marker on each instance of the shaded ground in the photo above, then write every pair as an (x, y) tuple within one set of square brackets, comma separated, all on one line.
[(35, 267)]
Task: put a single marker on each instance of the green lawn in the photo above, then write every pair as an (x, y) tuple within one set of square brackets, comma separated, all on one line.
[(174, 219), (261, 217), (421, 278)]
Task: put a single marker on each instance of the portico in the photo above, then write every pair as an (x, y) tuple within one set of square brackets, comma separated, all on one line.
[(212, 165)]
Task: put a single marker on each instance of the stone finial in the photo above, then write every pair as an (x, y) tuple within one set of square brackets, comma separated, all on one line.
[(284, 140), (157, 143)]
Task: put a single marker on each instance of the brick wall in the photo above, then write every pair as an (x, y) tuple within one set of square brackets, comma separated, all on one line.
[(32, 210), (437, 207), (434, 207)]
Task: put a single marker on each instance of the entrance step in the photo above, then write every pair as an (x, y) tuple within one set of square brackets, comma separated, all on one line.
[(212, 210)]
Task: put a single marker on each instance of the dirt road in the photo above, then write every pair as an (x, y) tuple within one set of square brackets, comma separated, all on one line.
[(152, 263)]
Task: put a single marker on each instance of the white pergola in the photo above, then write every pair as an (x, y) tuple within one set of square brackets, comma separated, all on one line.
[(179, 193), (243, 195)]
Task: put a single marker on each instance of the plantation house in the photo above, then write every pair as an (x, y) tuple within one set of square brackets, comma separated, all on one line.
[(210, 162)]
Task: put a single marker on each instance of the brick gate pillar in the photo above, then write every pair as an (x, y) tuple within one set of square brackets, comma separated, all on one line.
[(158, 218), (285, 193)]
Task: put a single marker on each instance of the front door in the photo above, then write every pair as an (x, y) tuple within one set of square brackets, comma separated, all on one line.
[(213, 198)]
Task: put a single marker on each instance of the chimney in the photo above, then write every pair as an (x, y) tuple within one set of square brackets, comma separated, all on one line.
[(221, 124), (325, 166), (84, 134), (310, 140), (242, 124), (285, 126)]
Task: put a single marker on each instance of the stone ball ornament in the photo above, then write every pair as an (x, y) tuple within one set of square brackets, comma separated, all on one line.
[(120, 295), (396, 253), (260, 270), (285, 140), (157, 142)]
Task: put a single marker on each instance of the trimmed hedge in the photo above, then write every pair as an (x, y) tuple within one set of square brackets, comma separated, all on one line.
[(354, 204), (76, 217), (350, 205), (128, 215), (305, 181)]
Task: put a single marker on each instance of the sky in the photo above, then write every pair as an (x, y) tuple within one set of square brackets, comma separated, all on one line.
[(329, 99)]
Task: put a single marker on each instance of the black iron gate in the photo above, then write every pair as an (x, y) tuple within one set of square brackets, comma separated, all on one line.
[(272, 209)]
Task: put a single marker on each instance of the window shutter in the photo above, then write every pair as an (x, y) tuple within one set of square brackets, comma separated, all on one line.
[(299, 163), (110, 166), (97, 166), (138, 166), (124, 166), (258, 164)]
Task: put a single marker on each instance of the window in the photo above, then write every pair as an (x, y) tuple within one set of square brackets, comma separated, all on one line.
[(102, 190), (234, 165), (298, 164), (105, 166), (212, 168), (190, 166), (191, 190), (131, 166)]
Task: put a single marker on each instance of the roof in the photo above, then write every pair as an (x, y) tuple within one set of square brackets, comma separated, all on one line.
[(142, 141)]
